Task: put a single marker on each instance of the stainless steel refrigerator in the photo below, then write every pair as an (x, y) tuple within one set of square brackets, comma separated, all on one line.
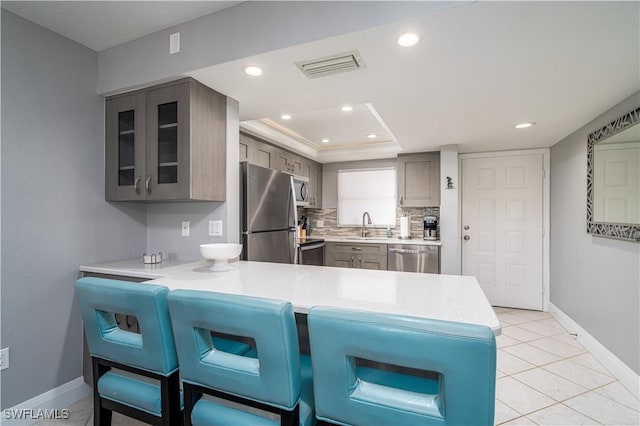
[(267, 215)]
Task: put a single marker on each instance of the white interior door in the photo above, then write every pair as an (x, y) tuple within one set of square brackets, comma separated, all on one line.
[(502, 228)]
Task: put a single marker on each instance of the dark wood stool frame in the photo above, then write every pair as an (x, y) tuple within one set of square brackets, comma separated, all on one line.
[(192, 393), (169, 392)]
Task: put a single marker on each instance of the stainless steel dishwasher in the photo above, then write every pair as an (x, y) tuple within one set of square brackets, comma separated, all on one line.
[(413, 258)]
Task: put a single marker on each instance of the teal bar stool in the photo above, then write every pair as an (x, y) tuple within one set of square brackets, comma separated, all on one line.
[(377, 369), (268, 378), (149, 354)]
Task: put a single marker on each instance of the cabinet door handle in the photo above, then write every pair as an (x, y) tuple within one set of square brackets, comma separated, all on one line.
[(401, 200), (147, 184), (137, 184), (360, 260), (356, 248)]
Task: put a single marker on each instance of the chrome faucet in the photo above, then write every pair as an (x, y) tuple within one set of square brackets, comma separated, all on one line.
[(364, 227)]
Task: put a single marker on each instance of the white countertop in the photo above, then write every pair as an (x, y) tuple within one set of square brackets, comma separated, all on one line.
[(446, 297), (373, 240)]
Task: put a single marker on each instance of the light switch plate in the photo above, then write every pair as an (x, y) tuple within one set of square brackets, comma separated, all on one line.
[(215, 228), (320, 223), (174, 43), (185, 228)]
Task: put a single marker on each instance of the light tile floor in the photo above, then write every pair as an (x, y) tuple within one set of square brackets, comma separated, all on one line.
[(545, 377)]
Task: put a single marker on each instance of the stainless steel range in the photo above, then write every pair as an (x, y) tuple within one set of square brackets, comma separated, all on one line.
[(311, 251)]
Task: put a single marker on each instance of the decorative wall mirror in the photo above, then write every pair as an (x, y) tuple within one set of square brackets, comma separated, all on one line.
[(613, 179)]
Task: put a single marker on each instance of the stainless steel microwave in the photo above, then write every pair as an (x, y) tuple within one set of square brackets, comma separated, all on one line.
[(300, 188)]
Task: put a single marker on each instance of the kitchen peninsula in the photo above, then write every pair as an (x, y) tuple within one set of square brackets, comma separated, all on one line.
[(444, 297)]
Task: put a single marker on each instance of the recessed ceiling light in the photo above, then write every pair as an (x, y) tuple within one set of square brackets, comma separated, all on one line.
[(372, 136), (285, 117), (524, 125), (347, 108), (408, 39), (253, 70), (325, 140)]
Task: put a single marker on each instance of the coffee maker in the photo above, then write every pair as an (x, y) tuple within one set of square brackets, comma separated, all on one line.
[(430, 228)]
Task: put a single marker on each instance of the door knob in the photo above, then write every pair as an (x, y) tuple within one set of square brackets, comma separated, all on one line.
[(466, 238), (466, 227)]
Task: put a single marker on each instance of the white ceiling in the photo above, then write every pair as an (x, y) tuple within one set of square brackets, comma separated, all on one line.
[(103, 24), (340, 128), (478, 70)]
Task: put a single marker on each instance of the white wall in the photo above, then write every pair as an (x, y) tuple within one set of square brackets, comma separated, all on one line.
[(594, 280), (449, 211)]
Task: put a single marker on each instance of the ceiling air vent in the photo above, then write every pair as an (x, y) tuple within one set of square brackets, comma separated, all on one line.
[(334, 64)]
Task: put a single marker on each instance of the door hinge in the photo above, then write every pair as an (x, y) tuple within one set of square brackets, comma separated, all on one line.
[(543, 231)]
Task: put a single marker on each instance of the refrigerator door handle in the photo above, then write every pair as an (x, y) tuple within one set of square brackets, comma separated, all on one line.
[(293, 212)]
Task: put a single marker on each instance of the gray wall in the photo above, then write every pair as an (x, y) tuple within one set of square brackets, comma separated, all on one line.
[(594, 280), (54, 217), (164, 222)]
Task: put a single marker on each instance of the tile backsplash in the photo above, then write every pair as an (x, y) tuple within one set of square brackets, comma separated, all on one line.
[(330, 218)]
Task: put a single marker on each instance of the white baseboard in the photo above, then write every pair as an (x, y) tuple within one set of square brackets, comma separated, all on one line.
[(621, 371), (57, 398)]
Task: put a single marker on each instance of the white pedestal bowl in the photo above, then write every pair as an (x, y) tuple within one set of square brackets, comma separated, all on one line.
[(220, 254)]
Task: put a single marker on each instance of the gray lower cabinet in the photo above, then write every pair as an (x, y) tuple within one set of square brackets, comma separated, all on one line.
[(166, 143), (419, 180), (360, 256)]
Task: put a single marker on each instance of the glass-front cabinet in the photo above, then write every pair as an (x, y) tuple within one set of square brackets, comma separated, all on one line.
[(125, 148), (166, 143)]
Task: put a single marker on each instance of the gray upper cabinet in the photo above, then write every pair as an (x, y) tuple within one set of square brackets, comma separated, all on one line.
[(263, 155), (245, 148), (314, 190), (419, 180), (166, 143), (290, 163), (256, 152), (125, 148)]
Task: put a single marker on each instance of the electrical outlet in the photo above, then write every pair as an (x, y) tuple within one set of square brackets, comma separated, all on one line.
[(215, 228), (185, 228), (4, 358), (320, 223)]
